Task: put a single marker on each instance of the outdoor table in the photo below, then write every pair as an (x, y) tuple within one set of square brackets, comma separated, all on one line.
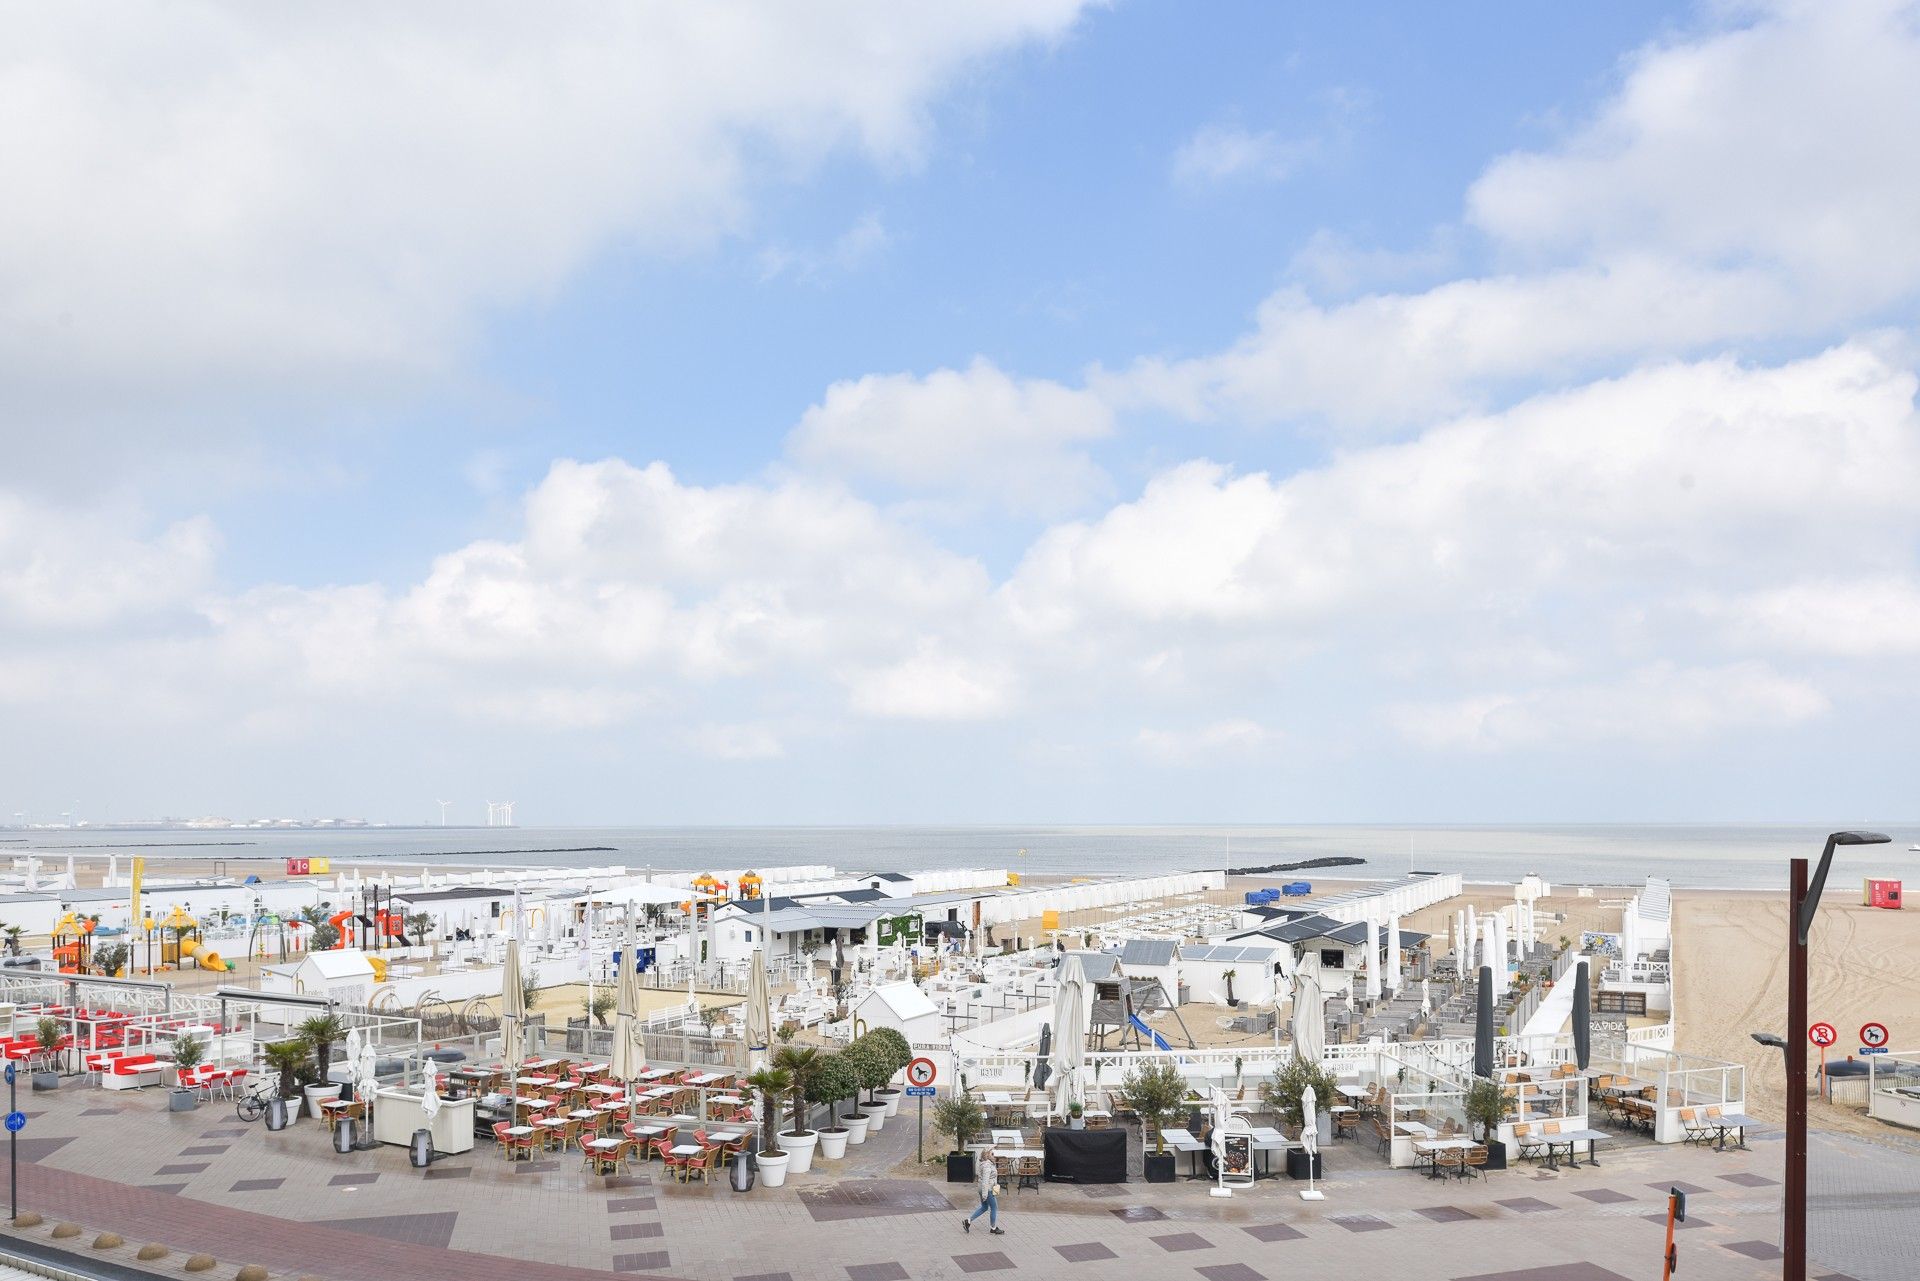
[(592, 1069), (707, 1078), (1012, 1138), (1417, 1129), (1431, 1148), (1733, 1121), (686, 1150), (603, 1144), (611, 1105), (1571, 1137), (537, 1082), (583, 1114), (518, 1131), (655, 1074), (1181, 1141), (1266, 1139), (607, 1089)]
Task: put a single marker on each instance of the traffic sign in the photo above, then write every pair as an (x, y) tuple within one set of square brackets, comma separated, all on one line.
[(1823, 1034), (16, 1121), (920, 1091), (921, 1072), (9, 1074), (1874, 1034)]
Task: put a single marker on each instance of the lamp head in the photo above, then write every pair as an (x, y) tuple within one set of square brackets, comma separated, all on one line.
[(1861, 838), (1769, 1039)]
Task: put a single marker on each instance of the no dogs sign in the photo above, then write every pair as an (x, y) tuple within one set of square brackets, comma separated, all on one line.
[(920, 1072)]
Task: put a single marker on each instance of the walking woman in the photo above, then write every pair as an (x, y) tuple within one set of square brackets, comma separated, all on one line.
[(989, 1196)]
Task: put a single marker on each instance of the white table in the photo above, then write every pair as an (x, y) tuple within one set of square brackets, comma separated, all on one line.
[(1571, 1137), (1181, 1141), (1417, 1129), (615, 1091), (706, 1078), (1731, 1121)]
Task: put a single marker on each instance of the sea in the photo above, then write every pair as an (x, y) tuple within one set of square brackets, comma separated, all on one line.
[(1752, 856)]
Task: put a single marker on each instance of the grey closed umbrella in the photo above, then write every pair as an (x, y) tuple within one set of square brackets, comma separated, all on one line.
[(1309, 1019), (1582, 1016), (513, 1014), (759, 1019), (1483, 1026), (628, 1059)]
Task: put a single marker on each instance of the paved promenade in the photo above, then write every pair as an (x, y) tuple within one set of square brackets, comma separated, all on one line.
[(202, 1181)]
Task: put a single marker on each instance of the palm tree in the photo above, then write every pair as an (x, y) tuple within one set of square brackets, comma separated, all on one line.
[(798, 1062), (770, 1083), (420, 923), (321, 1031), (287, 1058), (13, 933)]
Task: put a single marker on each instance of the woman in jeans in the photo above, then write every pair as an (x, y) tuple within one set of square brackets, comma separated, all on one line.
[(989, 1196)]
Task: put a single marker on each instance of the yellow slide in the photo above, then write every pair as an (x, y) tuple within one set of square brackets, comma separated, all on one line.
[(206, 960)]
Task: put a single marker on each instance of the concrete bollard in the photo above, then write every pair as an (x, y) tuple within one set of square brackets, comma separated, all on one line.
[(148, 1253), (200, 1262), (109, 1241), (63, 1230)]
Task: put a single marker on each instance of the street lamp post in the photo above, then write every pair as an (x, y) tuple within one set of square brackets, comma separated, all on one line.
[(1803, 901)]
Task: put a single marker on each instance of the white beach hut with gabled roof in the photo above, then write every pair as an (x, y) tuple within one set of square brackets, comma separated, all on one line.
[(902, 1007)]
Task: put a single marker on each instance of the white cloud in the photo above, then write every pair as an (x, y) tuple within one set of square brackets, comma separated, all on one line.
[(1700, 476), (1741, 184), (1792, 140), (1218, 152), (209, 201), (737, 742), (1018, 443), (1652, 706), (1221, 739), (65, 569), (933, 685), (1850, 618)]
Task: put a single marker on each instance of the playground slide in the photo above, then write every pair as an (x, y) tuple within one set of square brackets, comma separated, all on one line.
[(206, 960), (1159, 1042)]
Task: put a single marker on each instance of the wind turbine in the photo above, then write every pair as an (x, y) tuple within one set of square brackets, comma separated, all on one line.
[(443, 811)]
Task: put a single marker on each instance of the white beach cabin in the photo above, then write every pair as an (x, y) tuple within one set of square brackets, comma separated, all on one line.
[(902, 1007), (342, 974)]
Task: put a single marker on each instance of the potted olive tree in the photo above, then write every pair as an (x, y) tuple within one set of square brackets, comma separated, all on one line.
[(959, 1116), (48, 1032), (1488, 1108), (1156, 1091), (895, 1051), (873, 1066), (1283, 1096), (320, 1032), (831, 1081), (770, 1084), (797, 1141), (188, 1052)]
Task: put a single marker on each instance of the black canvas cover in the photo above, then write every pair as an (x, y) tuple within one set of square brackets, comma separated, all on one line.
[(1086, 1156)]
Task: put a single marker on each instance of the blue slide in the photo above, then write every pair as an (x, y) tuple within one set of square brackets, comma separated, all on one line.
[(1159, 1042)]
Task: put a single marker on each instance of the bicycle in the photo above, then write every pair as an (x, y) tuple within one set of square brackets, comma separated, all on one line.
[(252, 1103)]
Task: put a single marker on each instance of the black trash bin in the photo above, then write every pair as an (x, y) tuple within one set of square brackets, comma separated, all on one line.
[(276, 1114), (343, 1134), (420, 1151), (741, 1164)]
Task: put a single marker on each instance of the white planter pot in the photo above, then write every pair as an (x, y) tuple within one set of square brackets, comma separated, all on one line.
[(773, 1169), (318, 1094), (856, 1128), (833, 1146), (800, 1148), (890, 1099), (876, 1117)]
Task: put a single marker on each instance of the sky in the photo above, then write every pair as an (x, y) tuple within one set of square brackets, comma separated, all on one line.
[(1019, 411)]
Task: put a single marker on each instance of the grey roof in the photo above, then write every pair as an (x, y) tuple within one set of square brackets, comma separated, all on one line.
[(1099, 967), (443, 896), (1229, 952), (1301, 929), (1148, 952), (99, 894), (885, 876)]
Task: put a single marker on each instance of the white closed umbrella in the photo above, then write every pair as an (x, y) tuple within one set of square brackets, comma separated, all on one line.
[(1426, 998), (1309, 1020), (629, 1058), (1070, 1017), (1310, 1140), (1373, 961), (429, 1090)]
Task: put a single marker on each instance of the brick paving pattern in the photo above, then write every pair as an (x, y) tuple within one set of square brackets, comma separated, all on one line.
[(287, 1201)]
